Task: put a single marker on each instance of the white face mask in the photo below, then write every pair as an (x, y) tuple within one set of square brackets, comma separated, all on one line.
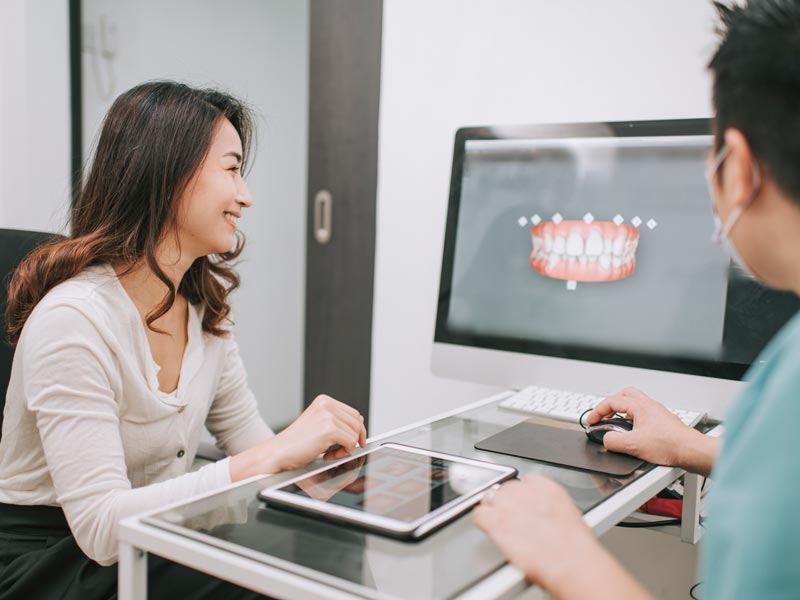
[(721, 230)]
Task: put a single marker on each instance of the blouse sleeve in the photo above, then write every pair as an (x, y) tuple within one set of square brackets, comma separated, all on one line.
[(68, 369), (234, 419)]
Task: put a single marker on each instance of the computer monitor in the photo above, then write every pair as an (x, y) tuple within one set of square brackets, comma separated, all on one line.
[(579, 256)]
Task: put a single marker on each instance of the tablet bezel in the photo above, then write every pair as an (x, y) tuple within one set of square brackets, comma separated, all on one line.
[(387, 525)]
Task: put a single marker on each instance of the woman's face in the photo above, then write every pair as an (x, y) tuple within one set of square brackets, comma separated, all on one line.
[(212, 203)]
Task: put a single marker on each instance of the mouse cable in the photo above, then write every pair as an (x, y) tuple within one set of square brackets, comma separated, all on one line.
[(645, 524), (705, 489)]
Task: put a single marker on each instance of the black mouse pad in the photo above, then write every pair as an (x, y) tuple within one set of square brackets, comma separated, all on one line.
[(559, 446)]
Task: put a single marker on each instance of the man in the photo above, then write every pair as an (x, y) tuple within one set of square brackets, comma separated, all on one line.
[(752, 542)]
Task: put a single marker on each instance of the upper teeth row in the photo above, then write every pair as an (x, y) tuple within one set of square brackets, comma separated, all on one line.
[(232, 218), (595, 245)]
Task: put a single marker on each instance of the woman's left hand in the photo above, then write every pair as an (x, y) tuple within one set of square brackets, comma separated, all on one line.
[(537, 526)]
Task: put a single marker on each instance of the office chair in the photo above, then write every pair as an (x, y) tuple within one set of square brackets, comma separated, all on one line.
[(14, 246)]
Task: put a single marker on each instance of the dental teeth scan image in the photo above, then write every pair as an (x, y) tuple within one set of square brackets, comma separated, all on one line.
[(584, 251), (598, 242)]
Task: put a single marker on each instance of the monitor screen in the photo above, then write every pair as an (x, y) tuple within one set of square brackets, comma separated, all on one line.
[(593, 242)]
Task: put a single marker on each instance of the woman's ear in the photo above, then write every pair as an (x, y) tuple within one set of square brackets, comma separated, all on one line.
[(740, 171)]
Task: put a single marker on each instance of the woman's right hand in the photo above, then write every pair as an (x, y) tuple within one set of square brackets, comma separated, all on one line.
[(326, 426), (658, 436)]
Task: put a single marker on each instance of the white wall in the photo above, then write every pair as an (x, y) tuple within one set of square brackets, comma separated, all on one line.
[(258, 50), (34, 114), (451, 63)]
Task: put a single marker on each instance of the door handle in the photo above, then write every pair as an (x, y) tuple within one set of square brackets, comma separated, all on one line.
[(323, 209)]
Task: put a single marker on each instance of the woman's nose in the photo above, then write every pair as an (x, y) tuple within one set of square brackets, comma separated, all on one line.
[(243, 196)]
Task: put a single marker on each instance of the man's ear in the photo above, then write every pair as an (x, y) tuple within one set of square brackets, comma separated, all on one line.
[(739, 170)]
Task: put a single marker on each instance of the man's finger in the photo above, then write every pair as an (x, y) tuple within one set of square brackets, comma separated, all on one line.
[(616, 441), (611, 406), (484, 516)]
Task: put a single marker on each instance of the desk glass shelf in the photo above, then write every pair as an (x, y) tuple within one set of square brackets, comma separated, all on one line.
[(442, 566)]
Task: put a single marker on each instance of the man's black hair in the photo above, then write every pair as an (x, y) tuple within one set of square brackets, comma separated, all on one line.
[(757, 83)]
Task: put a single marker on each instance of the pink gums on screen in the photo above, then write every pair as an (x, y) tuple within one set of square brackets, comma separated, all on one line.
[(578, 251)]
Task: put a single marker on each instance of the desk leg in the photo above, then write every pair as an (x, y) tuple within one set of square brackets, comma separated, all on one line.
[(690, 518), (132, 574)]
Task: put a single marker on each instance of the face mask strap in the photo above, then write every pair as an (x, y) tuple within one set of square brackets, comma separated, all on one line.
[(720, 158), (721, 232), (734, 216)]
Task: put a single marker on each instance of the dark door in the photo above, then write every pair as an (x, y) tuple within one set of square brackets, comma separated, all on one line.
[(344, 91)]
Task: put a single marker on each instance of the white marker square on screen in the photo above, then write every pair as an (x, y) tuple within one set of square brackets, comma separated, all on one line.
[(557, 218), (588, 218), (536, 219), (618, 220), (522, 221), (636, 221), (652, 223), (572, 284)]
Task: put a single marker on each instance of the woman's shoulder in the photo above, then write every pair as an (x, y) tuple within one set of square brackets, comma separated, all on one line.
[(93, 295), (94, 285)]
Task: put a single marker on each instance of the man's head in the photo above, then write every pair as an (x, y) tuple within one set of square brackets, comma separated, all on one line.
[(756, 97), (757, 84)]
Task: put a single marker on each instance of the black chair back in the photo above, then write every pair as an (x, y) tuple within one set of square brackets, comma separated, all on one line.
[(14, 246)]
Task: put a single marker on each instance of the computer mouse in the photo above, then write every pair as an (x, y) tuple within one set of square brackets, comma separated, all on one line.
[(597, 432)]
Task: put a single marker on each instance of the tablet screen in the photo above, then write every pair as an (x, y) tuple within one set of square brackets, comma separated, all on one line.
[(393, 483)]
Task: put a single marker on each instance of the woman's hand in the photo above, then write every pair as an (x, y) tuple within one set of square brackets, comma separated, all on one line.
[(537, 526), (326, 426), (658, 436)]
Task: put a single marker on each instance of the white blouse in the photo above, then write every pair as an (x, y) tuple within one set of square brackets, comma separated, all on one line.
[(86, 426)]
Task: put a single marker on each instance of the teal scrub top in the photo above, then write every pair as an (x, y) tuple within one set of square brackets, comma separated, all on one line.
[(751, 547)]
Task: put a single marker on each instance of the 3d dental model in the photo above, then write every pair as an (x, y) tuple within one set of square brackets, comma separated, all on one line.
[(579, 251)]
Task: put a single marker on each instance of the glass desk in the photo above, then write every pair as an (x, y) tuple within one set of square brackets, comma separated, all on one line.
[(232, 535)]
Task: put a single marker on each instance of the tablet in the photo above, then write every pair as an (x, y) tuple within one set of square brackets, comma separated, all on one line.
[(393, 490)]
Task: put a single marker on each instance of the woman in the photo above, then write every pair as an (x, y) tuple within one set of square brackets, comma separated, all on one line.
[(124, 352), (751, 547)]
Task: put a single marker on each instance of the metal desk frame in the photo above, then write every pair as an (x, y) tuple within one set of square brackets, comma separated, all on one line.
[(137, 538)]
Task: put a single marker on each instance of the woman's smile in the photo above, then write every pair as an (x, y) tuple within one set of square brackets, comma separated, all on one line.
[(232, 219)]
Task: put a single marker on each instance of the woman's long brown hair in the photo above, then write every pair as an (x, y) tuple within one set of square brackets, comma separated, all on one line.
[(153, 140)]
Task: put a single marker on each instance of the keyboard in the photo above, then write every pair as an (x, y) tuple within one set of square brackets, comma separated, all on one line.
[(564, 405)]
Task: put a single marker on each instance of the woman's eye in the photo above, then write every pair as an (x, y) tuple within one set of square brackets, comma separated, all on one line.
[(235, 169)]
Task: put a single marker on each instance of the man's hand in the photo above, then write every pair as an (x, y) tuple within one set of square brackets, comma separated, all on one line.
[(658, 436), (537, 526)]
